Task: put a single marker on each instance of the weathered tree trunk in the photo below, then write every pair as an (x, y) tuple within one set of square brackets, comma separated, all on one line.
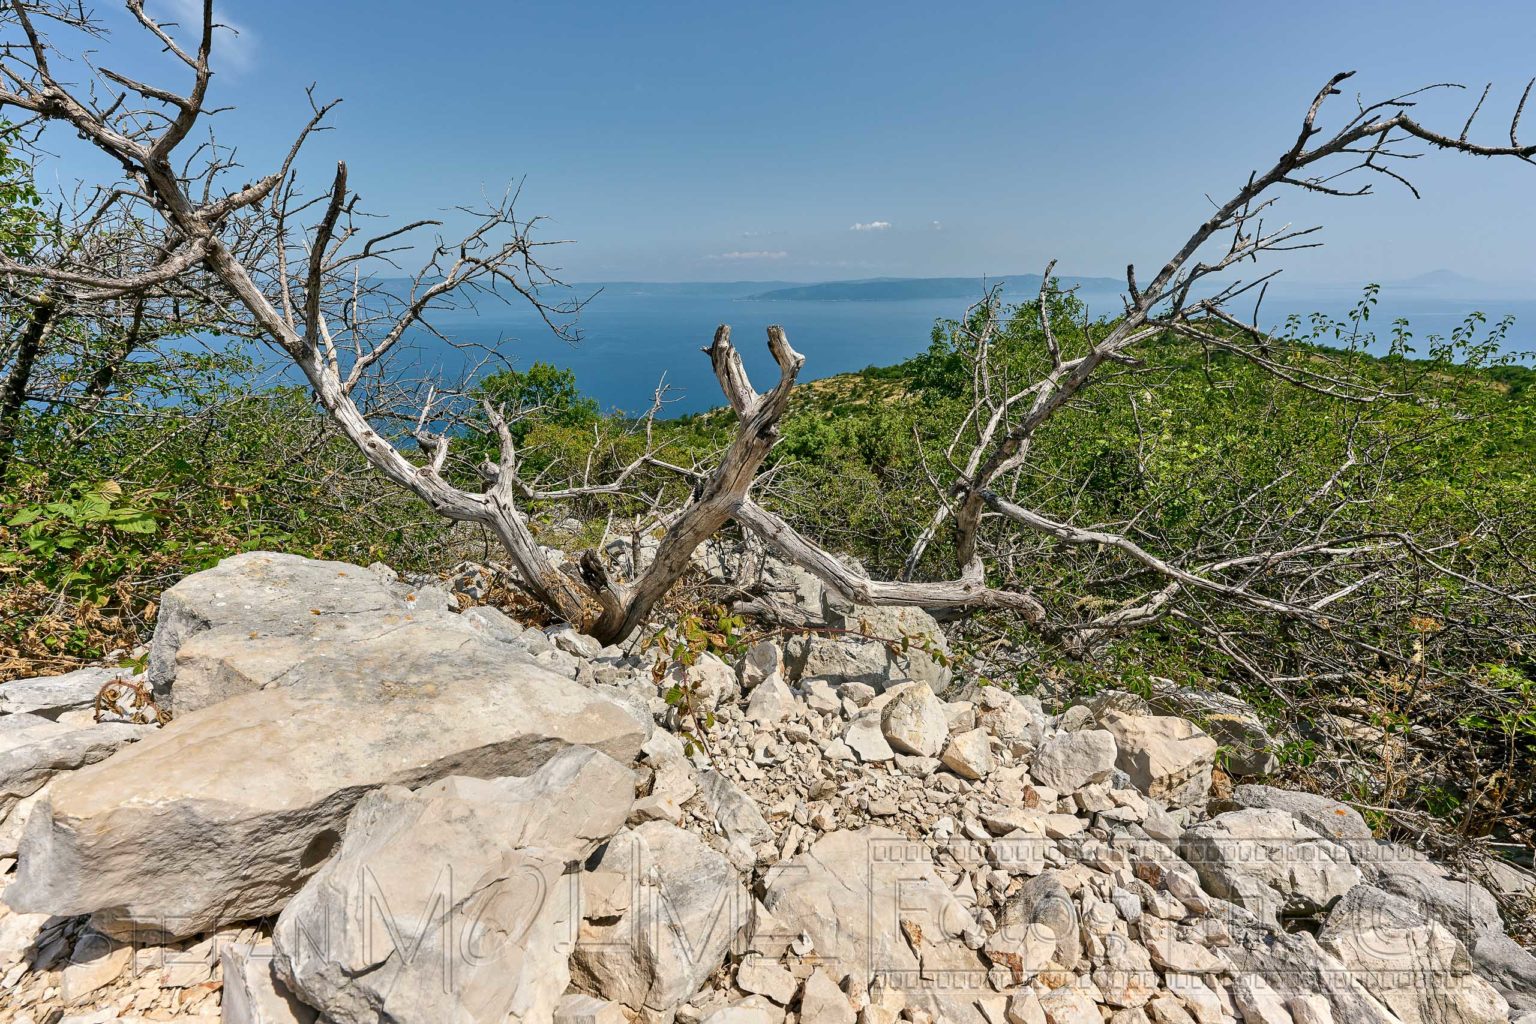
[(13, 396)]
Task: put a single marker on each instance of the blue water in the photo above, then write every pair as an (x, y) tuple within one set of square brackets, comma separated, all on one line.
[(636, 335)]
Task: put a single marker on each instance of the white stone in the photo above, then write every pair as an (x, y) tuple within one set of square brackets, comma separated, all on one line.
[(1167, 758), (237, 804), (762, 660), (914, 722), (771, 702), (1268, 862), (34, 749), (1410, 962), (969, 754), (1068, 761), (765, 977), (865, 738), (96, 961), (850, 893), (822, 1002), (686, 907), (51, 696), (579, 1008), (462, 865)]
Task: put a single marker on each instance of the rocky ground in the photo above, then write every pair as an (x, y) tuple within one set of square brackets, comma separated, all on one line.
[(369, 805)]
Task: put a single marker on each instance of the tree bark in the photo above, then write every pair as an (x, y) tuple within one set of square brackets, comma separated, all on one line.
[(13, 396)]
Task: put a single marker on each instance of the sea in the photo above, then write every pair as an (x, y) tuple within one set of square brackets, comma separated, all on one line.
[(638, 337)]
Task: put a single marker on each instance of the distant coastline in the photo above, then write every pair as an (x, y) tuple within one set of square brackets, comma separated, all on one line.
[(895, 289)]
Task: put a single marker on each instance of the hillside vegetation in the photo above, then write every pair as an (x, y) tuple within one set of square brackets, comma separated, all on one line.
[(189, 461)]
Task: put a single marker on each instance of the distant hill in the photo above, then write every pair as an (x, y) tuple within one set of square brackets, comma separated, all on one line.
[(885, 289)]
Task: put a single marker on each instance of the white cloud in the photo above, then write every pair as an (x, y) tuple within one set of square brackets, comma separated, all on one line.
[(234, 45), (936, 225), (755, 254), (874, 225)]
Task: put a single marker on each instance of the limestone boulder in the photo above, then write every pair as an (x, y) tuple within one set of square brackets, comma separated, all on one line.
[(865, 737), (1016, 721), (33, 749), (1231, 721), (911, 627), (763, 660), (771, 702), (1068, 761), (451, 903), (52, 696), (870, 903), (251, 620), (1268, 863), (1411, 963), (253, 993), (734, 814), (969, 754), (1327, 817), (671, 909), (222, 815), (1460, 904), (1167, 758), (915, 722)]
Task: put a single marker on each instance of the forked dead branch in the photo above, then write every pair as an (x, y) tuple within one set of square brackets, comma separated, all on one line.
[(308, 276)]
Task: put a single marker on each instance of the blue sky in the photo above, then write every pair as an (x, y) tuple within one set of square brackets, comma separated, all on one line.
[(723, 141)]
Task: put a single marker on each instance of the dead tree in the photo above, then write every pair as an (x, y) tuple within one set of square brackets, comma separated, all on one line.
[(91, 280), (305, 270)]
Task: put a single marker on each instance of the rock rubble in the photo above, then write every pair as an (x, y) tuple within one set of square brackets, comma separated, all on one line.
[(373, 807)]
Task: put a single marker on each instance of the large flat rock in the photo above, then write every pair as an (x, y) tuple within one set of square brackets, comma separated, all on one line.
[(246, 622), (33, 749), (51, 696), (225, 813)]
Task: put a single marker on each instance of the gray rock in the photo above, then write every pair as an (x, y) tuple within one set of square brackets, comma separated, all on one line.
[(1410, 962), (771, 702), (1230, 721), (1042, 904), (1165, 757), (253, 993), (236, 805), (734, 813), (33, 749), (914, 722), (842, 660), (763, 660), (765, 977), (246, 622), (866, 739), (969, 754), (1014, 720), (683, 908), (579, 1008), (496, 624), (1268, 863), (1068, 761), (913, 625), (95, 962), (1328, 818), (858, 896), (1295, 968), (1462, 905), (457, 883), (51, 696), (823, 1002), (571, 641)]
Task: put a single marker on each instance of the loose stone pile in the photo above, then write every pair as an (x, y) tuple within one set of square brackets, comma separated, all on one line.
[(371, 807)]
